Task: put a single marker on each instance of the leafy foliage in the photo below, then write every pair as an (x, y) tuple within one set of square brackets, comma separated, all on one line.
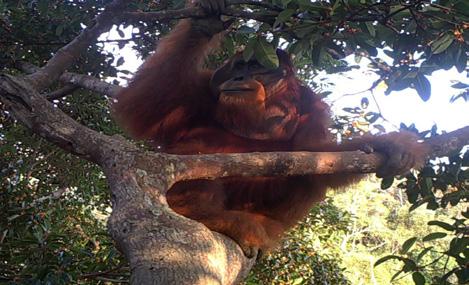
[(420, 36), (302, 258), (441, 184)]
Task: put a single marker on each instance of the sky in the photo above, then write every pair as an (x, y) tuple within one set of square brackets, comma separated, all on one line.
[(403, 106)]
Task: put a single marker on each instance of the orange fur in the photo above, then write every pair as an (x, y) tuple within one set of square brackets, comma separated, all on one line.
[(171, 102)]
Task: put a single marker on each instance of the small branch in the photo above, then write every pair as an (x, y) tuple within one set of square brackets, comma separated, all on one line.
[(84, 81), (52, 196), (65, 56), (91, 83), (62, 92), (193, 12), (263, 4)]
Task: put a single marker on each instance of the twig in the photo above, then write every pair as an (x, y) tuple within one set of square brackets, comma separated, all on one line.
[(62, 92)]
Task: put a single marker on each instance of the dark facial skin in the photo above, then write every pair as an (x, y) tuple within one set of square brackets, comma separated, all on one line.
[(260, 96)]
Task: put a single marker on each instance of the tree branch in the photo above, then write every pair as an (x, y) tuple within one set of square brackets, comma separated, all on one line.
[(66, 55), (214, 166), (40, 116), (62, 92), (84, 81), (91, 83)]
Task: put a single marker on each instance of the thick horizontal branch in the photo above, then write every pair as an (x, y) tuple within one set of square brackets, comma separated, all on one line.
[(214, 166)]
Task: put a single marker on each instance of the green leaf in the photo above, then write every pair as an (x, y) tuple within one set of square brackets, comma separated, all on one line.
[(59, 30), (463, 275), (387, 182), (396, 275), (364, 103), (316, 54), (418, 278), (285, 15), (461, 58), (423, 87), (246, 30), (408, 245), (458, 245), (120, 32), (298, 281), (371, 29), (441, 224), (228, 45), (120, 61), (460, 85), (433, 236), (386, 258), (248, 51), (266, 55), (423, 252), (409, 265), (286, 2), (442, 43)]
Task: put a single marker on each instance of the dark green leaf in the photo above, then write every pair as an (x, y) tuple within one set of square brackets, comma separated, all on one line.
[(266, 54), (386, 258), (423, 87), (120, 32), (418, 278), (407, 245), (442, 43), (371, 29), (387, 182), (423, 252), (364, 103), (316, 54), (285, 15), (460, 85), (396, 275), (120, 61), (248, 51), (59, 30), (441, 224), (433, 236), (463, 275), (409, 265), (461, 58)]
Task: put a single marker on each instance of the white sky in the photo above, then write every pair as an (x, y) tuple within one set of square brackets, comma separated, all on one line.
[(402, 106)]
